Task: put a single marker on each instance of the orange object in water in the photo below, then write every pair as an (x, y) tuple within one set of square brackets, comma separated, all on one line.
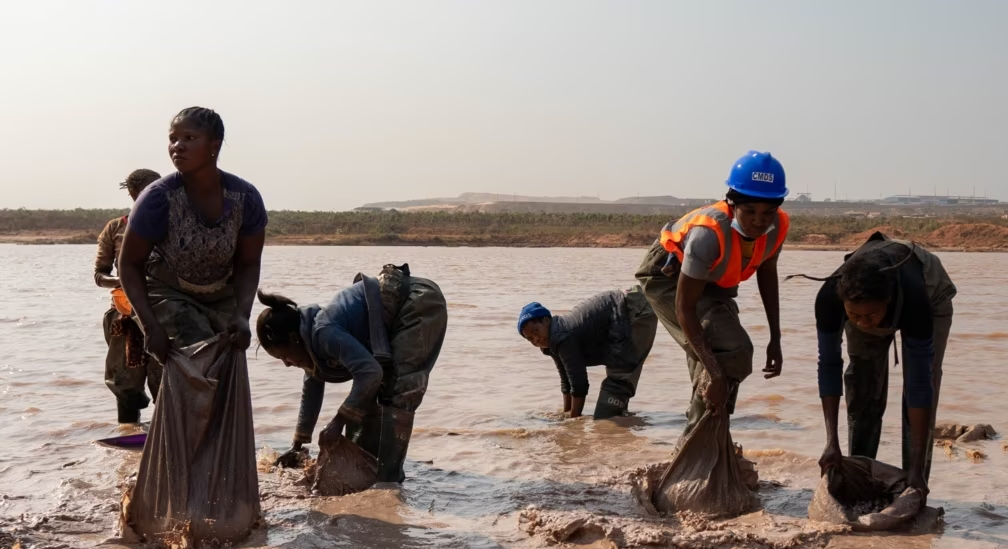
[(121, 303)]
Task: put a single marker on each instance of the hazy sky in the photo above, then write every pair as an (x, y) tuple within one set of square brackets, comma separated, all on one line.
[(332, 104)]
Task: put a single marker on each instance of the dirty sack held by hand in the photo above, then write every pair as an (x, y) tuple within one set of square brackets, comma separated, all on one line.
[(197, 476), (705, 476), (343, 468), (869, 495)]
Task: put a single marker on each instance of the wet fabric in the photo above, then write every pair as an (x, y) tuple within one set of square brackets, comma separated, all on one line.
[(866, 381), (615, 329), (722, 329), (417, 316), (343, 468), (197, 477), (705, 476), (126, 366), (867, 495), (924, 290)]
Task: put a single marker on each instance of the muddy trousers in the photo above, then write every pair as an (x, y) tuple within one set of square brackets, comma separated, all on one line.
[(416, 337), (620, 384), (127, 384), (723, 331), (866, 383)]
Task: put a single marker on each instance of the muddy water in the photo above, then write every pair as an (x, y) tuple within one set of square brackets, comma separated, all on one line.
[(490, 459)]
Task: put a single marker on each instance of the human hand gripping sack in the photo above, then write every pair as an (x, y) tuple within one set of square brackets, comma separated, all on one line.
[(293, 457), (830, 458), (240, 332), (332, 430), (774, 360), (715, 394), (157, 343)]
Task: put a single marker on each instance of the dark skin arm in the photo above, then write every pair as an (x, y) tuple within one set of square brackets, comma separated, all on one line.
[(687, 296), (769, 289), (247, 267), (832, 454), (105, 280), (576, 405), (132, 263)]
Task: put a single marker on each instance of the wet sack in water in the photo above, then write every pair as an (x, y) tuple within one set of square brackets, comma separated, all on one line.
[(705, 476), (197, 480), (869, 495), (343, 468)]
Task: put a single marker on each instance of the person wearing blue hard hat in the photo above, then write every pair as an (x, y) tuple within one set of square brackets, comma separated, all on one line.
[(614, 329), (692, 272)]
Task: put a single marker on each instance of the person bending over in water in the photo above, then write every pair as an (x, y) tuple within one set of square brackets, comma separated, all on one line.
[(126, 361), (614, 329), (883, 287), (692, 272), (383, 334)]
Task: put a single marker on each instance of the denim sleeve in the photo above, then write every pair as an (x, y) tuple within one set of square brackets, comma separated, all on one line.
[(312, 392), (569, 355), (332, 342), (830, 363), (918, 357)]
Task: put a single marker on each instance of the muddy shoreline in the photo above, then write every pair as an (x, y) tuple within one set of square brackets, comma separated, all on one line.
[(597, 240)]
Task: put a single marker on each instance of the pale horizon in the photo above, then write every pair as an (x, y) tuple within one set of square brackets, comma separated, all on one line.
[(331, 105)]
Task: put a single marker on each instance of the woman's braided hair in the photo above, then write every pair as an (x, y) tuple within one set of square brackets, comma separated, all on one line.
[(205, 119)]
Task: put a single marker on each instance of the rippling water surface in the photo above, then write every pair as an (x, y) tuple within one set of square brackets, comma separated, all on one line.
[(488, 441)]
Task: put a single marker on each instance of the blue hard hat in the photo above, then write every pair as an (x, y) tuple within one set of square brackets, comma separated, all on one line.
[(758, 174), (531, 311)]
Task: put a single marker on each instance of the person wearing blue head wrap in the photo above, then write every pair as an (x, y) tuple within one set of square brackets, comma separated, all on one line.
[(614, 329)]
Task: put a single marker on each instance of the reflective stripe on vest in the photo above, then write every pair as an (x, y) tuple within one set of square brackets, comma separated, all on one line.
[(727, 270)]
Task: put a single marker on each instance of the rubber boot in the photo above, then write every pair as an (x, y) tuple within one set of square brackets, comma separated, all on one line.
[(396, 430), (612, 402), (127, 414)]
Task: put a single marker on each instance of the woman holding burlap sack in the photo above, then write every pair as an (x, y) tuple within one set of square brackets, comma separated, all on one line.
[(384, 334), (203, 230)]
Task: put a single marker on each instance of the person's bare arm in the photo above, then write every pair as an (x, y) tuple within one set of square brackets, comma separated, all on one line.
[(247, 267), (132, 274), (687, 296), (769, 289)]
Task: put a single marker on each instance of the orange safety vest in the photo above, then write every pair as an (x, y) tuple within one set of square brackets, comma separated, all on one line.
[(727, 271)]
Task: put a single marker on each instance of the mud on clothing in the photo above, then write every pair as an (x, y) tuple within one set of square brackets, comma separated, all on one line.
[(615, 329), (704, 246), (921, 310), (126, 362), (339, 344)]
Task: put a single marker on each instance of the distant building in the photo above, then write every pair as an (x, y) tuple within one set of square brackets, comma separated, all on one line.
[(938, 200)]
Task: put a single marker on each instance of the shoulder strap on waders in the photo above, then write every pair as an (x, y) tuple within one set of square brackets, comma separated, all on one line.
[(380, 347)]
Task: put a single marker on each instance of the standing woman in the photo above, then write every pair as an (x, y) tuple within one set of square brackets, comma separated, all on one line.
[(126, 362), (208, 227)]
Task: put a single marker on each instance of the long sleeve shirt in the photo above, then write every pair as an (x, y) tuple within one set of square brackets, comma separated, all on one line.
[(914, 324), (338, 339), (109, 244), (584, 337)]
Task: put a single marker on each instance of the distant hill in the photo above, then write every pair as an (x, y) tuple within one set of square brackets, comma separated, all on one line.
[(481, 198)]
